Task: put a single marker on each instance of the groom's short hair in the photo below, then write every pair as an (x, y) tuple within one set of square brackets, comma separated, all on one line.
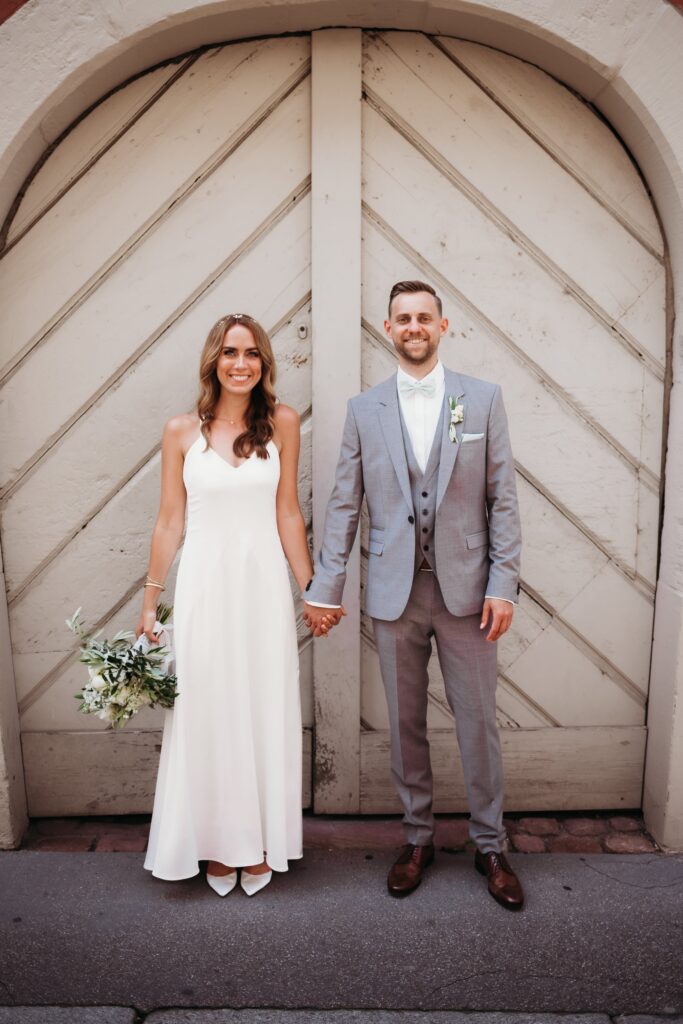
[(401, 287)]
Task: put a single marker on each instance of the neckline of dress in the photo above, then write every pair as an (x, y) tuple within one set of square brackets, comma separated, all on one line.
[(225, 461)]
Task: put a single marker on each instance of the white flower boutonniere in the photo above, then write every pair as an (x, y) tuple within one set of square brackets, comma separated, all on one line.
[(457, 416)]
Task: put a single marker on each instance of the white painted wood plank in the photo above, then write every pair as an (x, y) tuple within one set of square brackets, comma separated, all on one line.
[(190, 244), (373, 708), (95, 571), (137, 179), (568, 128), (648, 535), (336, 279), (515, 711), (652, 423), (13, 812), (645, 319), (575, 351), (583, 472), (617, 620), (72, 480), (378, 360), (558, 769), (572, 689), (79, 773), (557, 216), (528, 622), (558, 560), (85, 140)]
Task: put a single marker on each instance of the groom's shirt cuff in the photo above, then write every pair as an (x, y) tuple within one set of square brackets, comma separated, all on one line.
[(492, 596), (319, 604)]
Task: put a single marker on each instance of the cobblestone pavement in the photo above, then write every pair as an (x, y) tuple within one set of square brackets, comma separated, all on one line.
[(562, 833)]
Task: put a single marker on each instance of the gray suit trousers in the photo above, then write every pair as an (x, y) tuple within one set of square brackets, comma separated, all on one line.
[(468, 665)]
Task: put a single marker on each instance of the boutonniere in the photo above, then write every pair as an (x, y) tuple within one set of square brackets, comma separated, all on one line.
[(457, 416)]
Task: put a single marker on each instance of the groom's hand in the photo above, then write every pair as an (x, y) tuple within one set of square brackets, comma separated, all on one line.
[(321, 620), (500, 615)]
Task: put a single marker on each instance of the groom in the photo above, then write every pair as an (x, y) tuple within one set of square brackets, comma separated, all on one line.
[(429, 449)]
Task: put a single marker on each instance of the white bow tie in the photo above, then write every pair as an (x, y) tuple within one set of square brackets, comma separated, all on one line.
[(411, 386)]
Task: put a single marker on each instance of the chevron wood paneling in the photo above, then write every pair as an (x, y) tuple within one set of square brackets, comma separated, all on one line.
[(186, 193), (484, 176), (159, 212)]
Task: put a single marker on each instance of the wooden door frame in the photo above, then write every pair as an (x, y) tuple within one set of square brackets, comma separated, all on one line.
[(336, 324)]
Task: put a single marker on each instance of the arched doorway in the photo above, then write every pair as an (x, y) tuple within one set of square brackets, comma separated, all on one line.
[(186, 191)]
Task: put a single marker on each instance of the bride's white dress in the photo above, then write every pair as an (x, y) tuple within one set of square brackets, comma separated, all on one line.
[(229, 783)]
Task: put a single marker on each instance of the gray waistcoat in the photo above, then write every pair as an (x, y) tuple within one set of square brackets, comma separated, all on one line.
[(422, 484)]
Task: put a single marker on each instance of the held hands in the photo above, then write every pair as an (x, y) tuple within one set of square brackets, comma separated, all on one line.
[(321, 620), (500, 614)]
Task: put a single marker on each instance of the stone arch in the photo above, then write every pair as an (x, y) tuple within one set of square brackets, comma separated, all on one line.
[(56, 63)]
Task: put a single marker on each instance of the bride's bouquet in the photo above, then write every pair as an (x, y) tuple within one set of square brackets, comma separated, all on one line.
[(125, 676)]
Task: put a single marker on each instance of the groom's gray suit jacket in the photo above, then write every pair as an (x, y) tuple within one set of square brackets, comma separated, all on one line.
[(477, 537)]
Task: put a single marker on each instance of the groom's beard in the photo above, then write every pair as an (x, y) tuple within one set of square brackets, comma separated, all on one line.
[(417, 354)]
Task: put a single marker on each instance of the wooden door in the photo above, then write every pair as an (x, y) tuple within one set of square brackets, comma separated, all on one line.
[(184, 195), (484, 176), (187, 193)]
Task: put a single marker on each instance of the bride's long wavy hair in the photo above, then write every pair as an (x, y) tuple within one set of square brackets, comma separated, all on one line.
[(259, 418)]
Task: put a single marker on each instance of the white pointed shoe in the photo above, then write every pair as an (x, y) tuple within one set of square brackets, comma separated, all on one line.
[(252, 883), (222, 884)]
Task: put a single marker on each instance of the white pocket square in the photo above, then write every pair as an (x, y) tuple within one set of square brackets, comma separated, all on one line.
[(471, 437)]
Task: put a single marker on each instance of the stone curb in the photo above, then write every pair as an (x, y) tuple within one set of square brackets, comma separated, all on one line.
[(128, 1015), (567, 833)]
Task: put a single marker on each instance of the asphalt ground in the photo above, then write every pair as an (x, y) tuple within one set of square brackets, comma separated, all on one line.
[(598, 935)]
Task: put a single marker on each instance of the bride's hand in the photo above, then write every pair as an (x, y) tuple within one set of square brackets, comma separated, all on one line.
[(146, 625)]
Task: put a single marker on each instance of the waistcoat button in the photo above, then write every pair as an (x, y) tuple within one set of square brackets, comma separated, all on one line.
[(410, 519)]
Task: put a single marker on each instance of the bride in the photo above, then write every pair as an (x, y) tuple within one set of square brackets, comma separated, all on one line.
[(229, 784)]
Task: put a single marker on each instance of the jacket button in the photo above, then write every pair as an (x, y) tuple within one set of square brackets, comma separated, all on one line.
[(411, 519)]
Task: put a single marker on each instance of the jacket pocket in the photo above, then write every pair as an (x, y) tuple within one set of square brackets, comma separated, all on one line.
[(477, 540), (375, 541)]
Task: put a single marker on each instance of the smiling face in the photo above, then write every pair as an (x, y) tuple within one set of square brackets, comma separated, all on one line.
[(415, 327), (239, 366)]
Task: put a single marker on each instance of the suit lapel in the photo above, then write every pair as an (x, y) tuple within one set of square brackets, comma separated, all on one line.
[(390, 422), (449, 449)]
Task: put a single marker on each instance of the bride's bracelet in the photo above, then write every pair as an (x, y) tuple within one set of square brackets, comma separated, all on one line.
[(149, 582)]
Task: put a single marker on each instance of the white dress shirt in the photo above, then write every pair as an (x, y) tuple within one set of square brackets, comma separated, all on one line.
[(422, 413)]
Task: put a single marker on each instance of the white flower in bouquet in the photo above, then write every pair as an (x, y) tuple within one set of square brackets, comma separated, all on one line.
[(125, 676)]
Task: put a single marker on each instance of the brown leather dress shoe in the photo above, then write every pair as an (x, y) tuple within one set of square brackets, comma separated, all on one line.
[(406, 873), (504, 885)]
